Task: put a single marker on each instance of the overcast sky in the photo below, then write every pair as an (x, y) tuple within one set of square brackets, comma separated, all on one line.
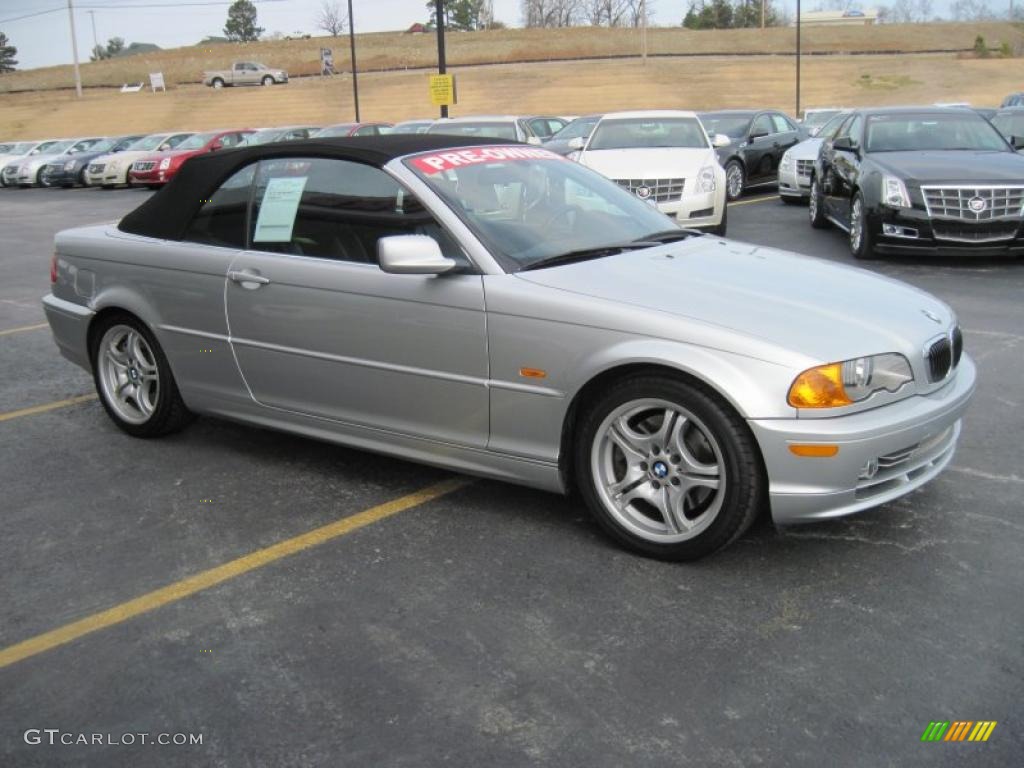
[(46, 40)]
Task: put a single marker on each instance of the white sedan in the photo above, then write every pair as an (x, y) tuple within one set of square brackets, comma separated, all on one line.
[(664, 158)]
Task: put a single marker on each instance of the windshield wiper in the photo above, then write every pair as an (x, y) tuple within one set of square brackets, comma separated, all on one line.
[(666, 236), (583, 254)]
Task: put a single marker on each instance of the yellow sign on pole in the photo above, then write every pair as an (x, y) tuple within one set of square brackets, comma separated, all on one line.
[(442, 90)]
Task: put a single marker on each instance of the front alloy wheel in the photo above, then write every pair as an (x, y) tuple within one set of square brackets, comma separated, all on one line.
[(666, 469), (816, 206), (861, 239), (734, 179)]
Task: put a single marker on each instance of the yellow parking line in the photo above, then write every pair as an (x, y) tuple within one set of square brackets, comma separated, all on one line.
[(229, 570), (755, 200), (23, 328), (46, 407)]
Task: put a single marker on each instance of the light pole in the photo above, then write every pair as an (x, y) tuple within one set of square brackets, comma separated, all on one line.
[(352, 46), (442, 65), (797, 60), (74, 50), (95, 40)]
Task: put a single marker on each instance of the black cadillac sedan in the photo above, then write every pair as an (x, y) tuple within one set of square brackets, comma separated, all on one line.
[(939, 181), (757, 141)]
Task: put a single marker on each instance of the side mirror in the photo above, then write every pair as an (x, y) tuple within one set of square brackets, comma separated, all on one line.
[(843, 144), (577, 144), (720, 140), (412, 255), (1017, 142), (535, 140)]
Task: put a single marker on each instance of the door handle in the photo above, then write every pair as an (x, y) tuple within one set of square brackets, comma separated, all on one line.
[(247, 278)]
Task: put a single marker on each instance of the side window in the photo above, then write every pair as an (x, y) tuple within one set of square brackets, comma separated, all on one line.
[(221, 219), (366, 130), (231, 139), (853, 129), (762, 126), (782, 125), (336, 209)]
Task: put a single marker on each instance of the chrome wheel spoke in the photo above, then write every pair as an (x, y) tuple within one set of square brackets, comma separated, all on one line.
[(632, 443), (129, 376)]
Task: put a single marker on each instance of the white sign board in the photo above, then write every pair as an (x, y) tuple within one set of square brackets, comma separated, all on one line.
[(278, 208), (156, 80)]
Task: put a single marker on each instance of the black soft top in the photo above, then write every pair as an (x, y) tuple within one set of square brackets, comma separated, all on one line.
[(167, 214)]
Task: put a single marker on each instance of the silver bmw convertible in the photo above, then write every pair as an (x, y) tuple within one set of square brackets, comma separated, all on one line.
[(499, 310)]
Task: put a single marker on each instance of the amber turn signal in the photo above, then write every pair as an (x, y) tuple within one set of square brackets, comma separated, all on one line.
[(533, 373), (820, 387), (814, 451)]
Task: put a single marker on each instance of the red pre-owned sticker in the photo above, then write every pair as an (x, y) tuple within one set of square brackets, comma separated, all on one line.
[(457, 158)]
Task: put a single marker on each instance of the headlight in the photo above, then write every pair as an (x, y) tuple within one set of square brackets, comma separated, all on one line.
[(787, 162), (706, 179), (70, 165), (894, 192), (165, 164), (851, 381)]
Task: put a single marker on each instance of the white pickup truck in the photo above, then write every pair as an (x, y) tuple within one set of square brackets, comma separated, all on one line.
[(245, 73)]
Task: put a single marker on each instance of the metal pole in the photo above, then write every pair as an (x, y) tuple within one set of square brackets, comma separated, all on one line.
[(797, 60), (643, 30), (74, 50), (762, 13), (355, 69), (95, 40), (442, 65)]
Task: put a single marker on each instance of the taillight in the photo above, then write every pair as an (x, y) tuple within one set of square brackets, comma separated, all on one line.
[(53, 269)]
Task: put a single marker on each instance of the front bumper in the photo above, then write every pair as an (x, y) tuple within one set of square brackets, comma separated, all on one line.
[(911, 441), (703, 209), (57, 177), (793, 185), (154, 176), (913, 233), (69, 323)]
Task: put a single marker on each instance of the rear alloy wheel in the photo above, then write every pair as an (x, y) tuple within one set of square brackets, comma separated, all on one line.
[(134, 380), (862, 241), (816, 207), (666, 469), (735, 179)]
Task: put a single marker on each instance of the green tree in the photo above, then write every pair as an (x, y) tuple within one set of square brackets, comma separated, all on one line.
[(241, 25), (467, 15), (115, 47), (708, 14), (7, 54)]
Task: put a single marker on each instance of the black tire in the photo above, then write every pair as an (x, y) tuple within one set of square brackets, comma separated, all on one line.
[(816, 206), (741, 467), (791, 200), (170, 413), (267, 80), (720, 230), (734, 167), (865, 248)]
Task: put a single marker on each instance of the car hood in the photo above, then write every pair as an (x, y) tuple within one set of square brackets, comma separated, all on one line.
[(128, 155), (805, 150), (824, 311), (647, 163), (927, 167)]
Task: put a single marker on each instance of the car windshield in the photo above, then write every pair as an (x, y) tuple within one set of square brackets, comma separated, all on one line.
[(905, 132), (103, 145), (648, 133), (197, 141), (733, 126), (580, 128), (56, 148), (490, 130), (263, 137), (529, 205), (148, 142), (1010, 125), (335, 130), (6, 149), (829, 129), (411, 127), (124, 143), (819, 117)]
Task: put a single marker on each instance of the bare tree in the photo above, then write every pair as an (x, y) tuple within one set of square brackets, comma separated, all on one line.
[(331, 19), (553, 13)]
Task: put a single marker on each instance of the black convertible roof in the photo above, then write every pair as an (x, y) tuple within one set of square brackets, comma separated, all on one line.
[(167, 213)]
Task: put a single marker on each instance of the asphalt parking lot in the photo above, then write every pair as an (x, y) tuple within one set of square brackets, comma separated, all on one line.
[(482, 624)]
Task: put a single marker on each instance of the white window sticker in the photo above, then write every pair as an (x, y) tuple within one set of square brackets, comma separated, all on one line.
[(278, 208)]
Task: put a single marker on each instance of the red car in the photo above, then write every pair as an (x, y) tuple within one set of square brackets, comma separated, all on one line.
[(352, 129), (157, 169)]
